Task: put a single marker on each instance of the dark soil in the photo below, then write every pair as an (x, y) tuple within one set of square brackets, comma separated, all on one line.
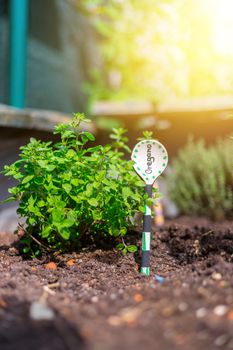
[(101, 302)]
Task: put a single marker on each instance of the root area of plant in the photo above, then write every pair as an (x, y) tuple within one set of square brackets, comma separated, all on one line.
[(97, 299)]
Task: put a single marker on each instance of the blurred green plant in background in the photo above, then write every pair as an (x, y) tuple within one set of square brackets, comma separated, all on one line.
[(201, 181), (156, 50)]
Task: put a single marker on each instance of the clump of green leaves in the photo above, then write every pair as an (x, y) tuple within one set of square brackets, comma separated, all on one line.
[(201, 181), (69, 191), (146, 135)]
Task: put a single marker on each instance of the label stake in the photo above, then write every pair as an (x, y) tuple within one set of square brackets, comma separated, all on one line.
[(150, 160)]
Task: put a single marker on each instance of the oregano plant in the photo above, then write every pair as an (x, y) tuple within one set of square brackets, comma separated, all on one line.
[(69, 191)]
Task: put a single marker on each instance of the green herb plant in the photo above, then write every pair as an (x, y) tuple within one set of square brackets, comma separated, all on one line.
[(69, 192), (201, 179)]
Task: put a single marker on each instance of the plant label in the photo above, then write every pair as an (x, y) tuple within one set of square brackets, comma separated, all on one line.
[(150, 158)]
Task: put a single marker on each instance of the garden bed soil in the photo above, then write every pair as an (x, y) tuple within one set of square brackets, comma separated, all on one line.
[(97, 299)]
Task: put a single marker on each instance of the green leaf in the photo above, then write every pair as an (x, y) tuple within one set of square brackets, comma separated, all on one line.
[(124, 251), (93, 202), (95, 149), (72, 215), (67, 223), (27, 178), (31, 221), (68, 134), (70, 219), (140, 183), (19, 162), (26, 250), (50, 167), (126, 192), (71, 153), (120, 246), (57, 215), (132, 248), (89, 136), (150, 201), (89, 190), (123, 231), (107, 148), (75, 182), (46, 231), (97, 214), (8, 200), (31, 201), (65, 233), (42, 163), (67, 187), (39, 180), (141, 209)]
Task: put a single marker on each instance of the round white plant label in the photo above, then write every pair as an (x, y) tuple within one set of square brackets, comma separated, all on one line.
[(150, 158)]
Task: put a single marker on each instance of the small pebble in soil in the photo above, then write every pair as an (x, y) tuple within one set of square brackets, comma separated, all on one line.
[(183, 307), (70, 262), (114, 321), (221, 340), (138, 297), (223, 284), (85, 286), (160, 279), (113, 296), (220, 310), (94, 299), (203, 292), (230, 315), (216, 276), (51, 266), (40, 311), (168, 311), (202, 312)]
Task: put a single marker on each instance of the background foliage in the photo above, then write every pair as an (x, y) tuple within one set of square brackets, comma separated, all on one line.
[(159, 49), (201, 181)]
